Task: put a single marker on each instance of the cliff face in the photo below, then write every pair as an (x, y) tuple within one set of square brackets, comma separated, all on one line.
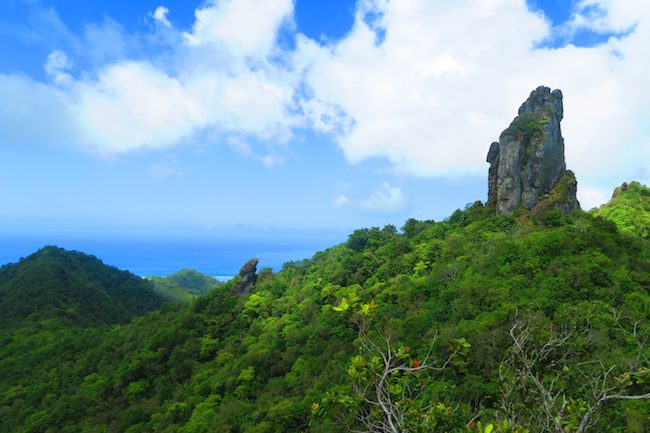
[(527, 163), (247, 277)]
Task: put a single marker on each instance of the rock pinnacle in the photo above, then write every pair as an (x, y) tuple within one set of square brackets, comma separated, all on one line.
[(527, 166)]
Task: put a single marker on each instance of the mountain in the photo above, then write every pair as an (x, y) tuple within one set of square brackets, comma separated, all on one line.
[(527, 165), (184, 285), (72, 287), (526, 320), (279, 359)]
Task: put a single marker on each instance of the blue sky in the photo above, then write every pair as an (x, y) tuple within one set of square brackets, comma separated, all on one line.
[(192, 119)]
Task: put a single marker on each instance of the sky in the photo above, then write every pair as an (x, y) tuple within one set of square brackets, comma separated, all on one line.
[(172, 118)]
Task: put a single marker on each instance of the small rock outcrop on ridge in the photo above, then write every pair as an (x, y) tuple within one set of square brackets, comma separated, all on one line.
[(527, 167), (247, 277)]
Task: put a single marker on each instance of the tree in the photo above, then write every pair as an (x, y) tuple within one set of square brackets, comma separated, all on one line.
[(389, 382), (547, 367), (385, 380)]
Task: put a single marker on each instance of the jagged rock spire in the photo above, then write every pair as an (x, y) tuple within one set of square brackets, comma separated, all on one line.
[(247, 277), (527, 167)]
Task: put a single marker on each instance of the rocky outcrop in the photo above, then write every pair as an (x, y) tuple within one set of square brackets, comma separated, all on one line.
[(247, 277), (527, 166)]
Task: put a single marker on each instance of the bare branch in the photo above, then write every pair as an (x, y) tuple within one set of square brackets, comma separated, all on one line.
[(393, 407), (605, 387)]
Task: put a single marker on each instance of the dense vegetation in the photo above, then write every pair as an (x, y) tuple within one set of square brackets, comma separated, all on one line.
[(294, 355), (54, 284), (184, 285), (629, 209)]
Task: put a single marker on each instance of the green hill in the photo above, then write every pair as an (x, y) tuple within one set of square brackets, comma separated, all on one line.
[(629, 209), (184, 285), (523, 302), (73, 287)]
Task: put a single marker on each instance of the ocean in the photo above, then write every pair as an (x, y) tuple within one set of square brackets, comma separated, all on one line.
[(146, 257)]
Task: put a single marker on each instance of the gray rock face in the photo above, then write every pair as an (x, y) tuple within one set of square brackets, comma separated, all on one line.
[(528, 163), (247, 277), (493, 159)]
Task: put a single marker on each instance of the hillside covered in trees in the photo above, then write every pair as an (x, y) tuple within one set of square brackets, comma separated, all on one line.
[(504, 323), (184, 285), (54, 284)]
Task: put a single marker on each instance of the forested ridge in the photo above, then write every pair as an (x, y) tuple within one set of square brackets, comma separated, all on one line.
[(520, 317), (184, 285), (70, 287)]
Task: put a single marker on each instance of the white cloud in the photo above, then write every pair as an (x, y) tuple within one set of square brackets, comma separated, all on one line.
[(248, 26), (426, 84), (433, 95), (227, 89), (160, 16), (449, 76), (133, 105), (430, 95), (387, 199), (56, 65)]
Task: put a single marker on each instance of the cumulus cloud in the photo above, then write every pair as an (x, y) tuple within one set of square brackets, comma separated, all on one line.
[(56, 65), (132, 104), (387, 199), (425, 84), (248, 26), (160, 16), (430, 96), (427, 95)]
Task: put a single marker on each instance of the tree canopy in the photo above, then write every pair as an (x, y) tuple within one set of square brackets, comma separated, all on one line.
[(289, 356)]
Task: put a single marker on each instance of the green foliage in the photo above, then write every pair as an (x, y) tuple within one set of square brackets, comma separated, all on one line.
[(76, 356), (54, 284), (548, 211), (184, 285), (526, 125), (629, 209)]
